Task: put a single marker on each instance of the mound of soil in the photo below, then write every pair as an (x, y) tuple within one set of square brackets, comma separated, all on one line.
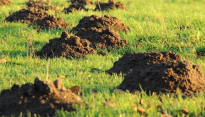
[(110, 5), (159, 72), (100, 22), (69, 47), (41, 98), (84, 2), (4, 2), (41, 5), (38, 17), (74, 7), (98, 30)]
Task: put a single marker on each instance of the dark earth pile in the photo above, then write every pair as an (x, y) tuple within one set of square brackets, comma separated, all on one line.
[(69, 47), (41, 98), (84, 2), (74, 7), (159, 72), (4, 2), (110, 5), (98, 30), (41, 5), (38, 17)]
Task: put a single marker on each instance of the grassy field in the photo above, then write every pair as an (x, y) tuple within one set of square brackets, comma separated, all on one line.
[(163, 25)]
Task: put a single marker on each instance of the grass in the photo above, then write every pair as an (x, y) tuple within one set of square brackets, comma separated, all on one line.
[(161, 25)]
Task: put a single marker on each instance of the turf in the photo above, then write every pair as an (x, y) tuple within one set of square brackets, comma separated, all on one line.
[(155, 25)]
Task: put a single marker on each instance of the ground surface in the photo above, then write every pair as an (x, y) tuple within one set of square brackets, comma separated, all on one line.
[(131, 41)]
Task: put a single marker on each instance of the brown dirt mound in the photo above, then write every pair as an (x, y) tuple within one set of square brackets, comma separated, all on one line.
[(67, 47), (74, 7), (38, 17), (84, 2), (41, 5), (110, 5), (4, 2), (159, 72), (100, 22), (98, 31), (41, 98)]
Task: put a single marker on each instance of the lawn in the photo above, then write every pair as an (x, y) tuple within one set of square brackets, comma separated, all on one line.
[(155, 26)]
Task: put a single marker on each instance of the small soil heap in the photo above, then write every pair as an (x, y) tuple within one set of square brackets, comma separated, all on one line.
[(110, 5), (69, 47), (74, 7), (41, 5), (159, 72), (38, 17), (41, 98), (83, 2), (98, 30), (4, 2)]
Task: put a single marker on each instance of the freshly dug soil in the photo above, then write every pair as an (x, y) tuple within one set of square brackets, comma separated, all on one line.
[(159, 72), (98, 30), (41, 98), (100, 22), (69, 47), (84, 2), (4, 2), (110, 5), (37, 17), (41, 5), (74, 7)]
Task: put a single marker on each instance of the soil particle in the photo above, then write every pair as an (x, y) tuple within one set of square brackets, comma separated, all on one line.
[(83, 2), (74, 7), (41, 98), (4, 2), (110, 5), (69, 47), (38, 17), (98, 30), (159, 72), (41, 5)]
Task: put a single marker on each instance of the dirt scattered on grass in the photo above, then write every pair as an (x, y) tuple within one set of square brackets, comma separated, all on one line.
[(100, 31), (74, 7), (41, 98), (4, 2), (37, 17), (41, 5), (83, 2), (159, 72), (111, 4), (66, 46)]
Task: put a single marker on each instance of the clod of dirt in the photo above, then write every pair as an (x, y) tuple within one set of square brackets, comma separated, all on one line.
[(69, 47), (38, 17), (74, 7), (98, 30), (4, 2), (101, 53), (41, 5), (41, 98), (83, 2), (110, 5), (159, 72), (100, 22)]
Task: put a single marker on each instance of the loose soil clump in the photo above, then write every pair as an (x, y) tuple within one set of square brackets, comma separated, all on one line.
[(74, 7), (83, 2), (69, 47), (98, 30), (41, 98), (37, 17), (159, 72), (41, 5), (110, 5), (4, 2)]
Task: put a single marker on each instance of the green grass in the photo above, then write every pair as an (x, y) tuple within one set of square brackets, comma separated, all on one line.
[(163, 25)]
